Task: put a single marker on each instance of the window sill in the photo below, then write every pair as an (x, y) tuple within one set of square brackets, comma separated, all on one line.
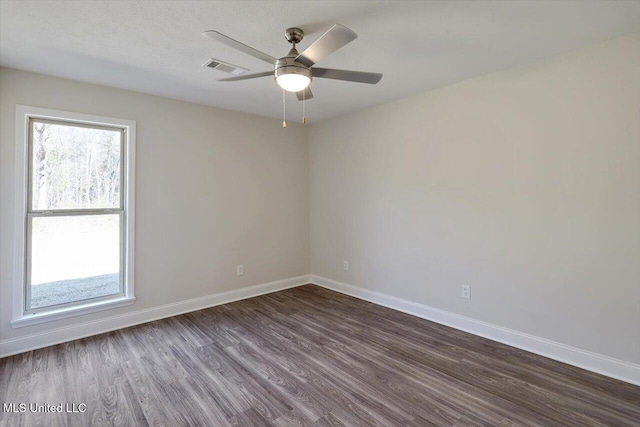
[(50, 316)]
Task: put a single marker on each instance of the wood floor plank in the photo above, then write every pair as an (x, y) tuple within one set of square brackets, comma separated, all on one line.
[(16, 384), (249, 418), (46, 387), (155, 413), (306, 356), (81, 384), (329, 420)]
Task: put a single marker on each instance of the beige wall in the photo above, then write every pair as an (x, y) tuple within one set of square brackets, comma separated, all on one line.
[(215, 188), (524, 184)]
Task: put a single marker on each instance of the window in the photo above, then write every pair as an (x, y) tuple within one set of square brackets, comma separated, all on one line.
[(75, 202)]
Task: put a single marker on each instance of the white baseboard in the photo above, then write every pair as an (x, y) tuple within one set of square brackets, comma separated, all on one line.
[(594, 362), (68, 333)]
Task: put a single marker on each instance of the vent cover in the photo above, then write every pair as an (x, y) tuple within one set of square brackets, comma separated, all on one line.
[(216, 64)]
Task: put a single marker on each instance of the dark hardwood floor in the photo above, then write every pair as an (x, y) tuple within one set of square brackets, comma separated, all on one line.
[(306, 356)]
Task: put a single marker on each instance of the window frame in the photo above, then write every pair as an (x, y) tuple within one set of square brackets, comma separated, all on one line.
[(23, 314)]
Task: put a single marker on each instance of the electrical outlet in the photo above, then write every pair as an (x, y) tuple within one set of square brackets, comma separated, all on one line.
[(345, 265), (466, 291), (240, 270)]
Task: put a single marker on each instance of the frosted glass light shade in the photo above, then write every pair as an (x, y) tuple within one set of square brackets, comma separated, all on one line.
[(293, 82)]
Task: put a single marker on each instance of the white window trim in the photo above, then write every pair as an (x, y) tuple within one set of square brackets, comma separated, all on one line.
[(23, 114)]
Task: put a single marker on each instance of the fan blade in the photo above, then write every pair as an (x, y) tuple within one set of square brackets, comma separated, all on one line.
[(239, 46), (329, 42), (247, 76), (350, 76), (307, 94)]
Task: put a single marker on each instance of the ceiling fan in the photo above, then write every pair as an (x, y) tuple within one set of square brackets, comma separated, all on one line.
[(295, 71)]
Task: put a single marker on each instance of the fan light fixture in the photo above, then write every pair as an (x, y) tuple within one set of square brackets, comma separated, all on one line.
[(290, 74), (293, 82)]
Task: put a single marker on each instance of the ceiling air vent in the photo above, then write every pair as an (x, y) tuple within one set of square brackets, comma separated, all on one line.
[(216, 64)]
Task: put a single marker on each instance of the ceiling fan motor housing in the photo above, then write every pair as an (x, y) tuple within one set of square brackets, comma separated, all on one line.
[(289, 65)]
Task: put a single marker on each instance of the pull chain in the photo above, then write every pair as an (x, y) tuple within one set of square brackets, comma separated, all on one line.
[(284, 111), (304, 116)]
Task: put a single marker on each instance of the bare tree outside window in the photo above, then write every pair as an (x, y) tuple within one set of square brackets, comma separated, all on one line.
[(75, 167)]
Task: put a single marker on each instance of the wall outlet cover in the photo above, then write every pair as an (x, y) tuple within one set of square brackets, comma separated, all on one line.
[(466, 291)]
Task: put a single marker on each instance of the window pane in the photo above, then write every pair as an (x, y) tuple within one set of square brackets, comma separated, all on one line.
[(74, 167), (74, 258)]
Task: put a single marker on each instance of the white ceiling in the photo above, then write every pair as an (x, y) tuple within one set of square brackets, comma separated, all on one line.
[(156, 46)]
